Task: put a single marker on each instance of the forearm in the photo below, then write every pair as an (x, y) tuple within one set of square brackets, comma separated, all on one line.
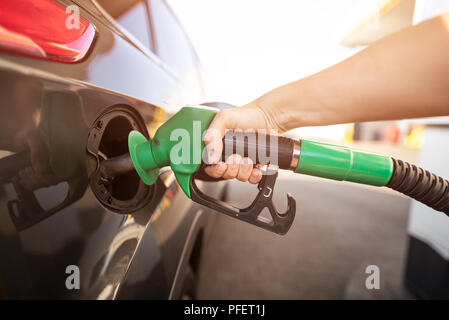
[(405, 75)]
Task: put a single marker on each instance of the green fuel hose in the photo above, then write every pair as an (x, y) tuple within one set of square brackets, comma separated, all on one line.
[(341, 163)]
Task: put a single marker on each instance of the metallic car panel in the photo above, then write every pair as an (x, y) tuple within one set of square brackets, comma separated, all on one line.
[(49, 108)]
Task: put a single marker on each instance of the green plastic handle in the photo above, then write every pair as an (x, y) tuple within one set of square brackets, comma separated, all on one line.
[(341, 163), (177, 143)]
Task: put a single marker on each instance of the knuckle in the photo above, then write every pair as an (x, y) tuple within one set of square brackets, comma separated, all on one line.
[(222, 114), (212, 173), (231, 172), (256, 176), (243, 176)]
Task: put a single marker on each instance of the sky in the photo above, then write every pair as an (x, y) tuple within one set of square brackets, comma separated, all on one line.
[(249, 47)]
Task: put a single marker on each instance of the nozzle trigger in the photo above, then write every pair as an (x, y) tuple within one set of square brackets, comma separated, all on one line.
[(280, 223)]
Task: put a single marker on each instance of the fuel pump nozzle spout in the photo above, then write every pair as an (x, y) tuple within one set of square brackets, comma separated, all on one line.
[(116, 166)]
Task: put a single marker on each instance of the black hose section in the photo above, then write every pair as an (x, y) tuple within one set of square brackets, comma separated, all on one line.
[(260, 148), (421, 185)]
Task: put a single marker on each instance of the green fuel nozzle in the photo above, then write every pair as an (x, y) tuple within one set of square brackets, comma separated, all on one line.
[(178, 143)]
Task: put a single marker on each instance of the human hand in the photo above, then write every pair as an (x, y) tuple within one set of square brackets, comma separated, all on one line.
[(252, 116)]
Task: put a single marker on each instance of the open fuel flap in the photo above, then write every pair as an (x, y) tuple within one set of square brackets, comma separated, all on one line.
[(108, 138)]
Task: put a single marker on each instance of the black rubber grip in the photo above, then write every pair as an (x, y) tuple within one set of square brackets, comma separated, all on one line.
[(260, 148), (421, 185)]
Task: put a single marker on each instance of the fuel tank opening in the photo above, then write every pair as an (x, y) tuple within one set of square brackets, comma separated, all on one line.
[(119, 190), (113, 143)]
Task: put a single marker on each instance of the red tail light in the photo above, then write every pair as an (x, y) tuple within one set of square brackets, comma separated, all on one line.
[(39, 28)]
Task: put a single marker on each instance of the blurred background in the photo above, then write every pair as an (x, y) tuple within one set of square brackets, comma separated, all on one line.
[(249, 47)]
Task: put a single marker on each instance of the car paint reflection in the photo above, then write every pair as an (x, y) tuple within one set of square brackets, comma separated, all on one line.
[(50, 107)]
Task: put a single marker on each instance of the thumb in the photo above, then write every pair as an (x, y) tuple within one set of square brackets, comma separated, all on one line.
[(214, 134)]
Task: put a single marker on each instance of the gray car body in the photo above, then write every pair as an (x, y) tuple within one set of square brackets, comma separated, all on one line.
[(144, 254)]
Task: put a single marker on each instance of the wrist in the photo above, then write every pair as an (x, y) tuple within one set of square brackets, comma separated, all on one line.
[(301, 103), (289, 107)]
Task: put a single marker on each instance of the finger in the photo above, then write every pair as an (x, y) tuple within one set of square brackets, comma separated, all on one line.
[(214, 134), (216, 170), (214, 150), (245, 169), (223, 120), (233, 163), (256, 176)]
